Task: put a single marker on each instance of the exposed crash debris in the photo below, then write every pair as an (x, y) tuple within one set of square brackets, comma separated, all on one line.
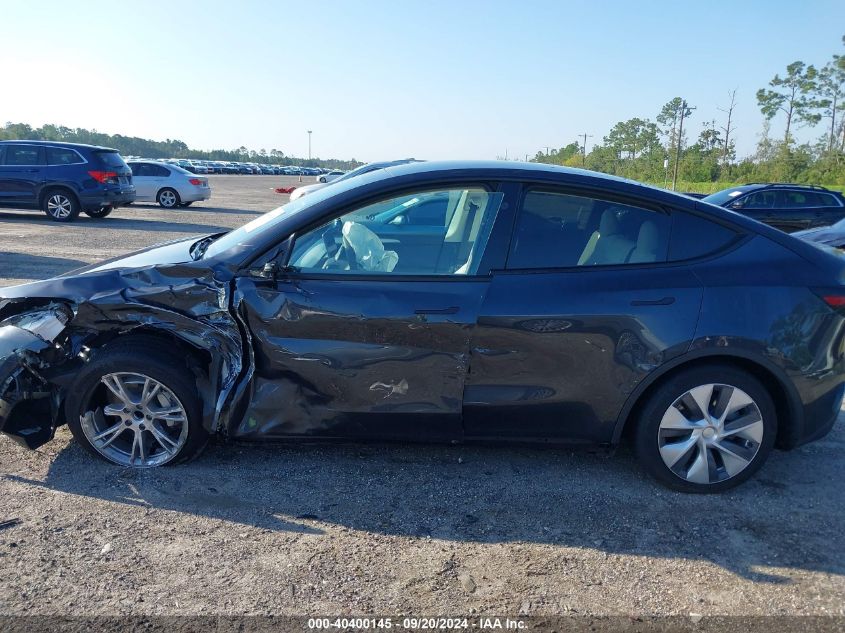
[(44, 343), (28, 348)]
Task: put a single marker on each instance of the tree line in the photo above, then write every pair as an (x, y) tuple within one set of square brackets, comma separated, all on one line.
[(657, 151), (170, 148)]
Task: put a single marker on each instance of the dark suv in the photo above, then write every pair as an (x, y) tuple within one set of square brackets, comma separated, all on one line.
[(63, 179), (783, 206)]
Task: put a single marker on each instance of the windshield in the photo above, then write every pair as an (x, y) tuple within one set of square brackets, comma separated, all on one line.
[(363, 169), (267, 222), (725, 195)]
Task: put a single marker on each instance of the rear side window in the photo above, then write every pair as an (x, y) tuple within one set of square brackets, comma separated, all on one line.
[(556, 230), (694, 236), (22, 155), (798, 199), (63, 156), (160, 171), (111, 159), (139, 169)]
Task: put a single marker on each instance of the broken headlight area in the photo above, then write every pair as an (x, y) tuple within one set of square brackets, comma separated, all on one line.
[(30, 344)]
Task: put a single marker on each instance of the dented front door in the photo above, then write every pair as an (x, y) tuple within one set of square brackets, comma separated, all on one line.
[(353, 357)]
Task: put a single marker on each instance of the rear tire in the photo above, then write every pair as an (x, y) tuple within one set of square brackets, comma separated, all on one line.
[(168, 198), (99, 213), (60, 205), (706, 429), (168, 421)]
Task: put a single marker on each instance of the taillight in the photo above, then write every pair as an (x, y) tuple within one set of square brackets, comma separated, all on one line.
[(833, 297), (195, 181), (104, 177), (834, 301)]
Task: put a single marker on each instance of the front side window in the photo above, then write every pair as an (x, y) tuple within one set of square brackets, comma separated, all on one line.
[(22, 155), (447, 236), (556, 230), (758, 200)]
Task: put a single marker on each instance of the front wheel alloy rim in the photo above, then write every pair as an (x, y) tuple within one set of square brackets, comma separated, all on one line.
[(167, 199), (59, 206), (710, 434), (135, 420)]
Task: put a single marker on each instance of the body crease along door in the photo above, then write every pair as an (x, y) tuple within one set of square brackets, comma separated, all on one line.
[(358, 357), (556, 354)]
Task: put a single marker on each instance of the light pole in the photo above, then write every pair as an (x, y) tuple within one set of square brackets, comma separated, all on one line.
[(309, 144)]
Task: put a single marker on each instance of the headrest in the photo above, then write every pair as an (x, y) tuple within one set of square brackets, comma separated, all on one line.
[(609, 225), (647, 238)]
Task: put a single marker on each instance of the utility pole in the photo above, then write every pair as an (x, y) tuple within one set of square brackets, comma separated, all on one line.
[(584, 148), (684, 109), (309, 144)]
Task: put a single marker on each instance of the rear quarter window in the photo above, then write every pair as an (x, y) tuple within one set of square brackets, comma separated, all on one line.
[(693, 236), (827, 200)]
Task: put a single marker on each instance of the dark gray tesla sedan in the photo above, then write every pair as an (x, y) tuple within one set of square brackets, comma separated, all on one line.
[(455, 302)]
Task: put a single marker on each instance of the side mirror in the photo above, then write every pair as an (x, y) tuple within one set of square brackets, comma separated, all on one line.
[(736, 205), (268, 271)]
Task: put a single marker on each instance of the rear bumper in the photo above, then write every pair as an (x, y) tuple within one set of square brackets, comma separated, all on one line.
[(820, 416), (106, 198), (196, 194)]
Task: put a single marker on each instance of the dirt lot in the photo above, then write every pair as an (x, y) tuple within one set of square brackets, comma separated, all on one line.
[(382, 529)]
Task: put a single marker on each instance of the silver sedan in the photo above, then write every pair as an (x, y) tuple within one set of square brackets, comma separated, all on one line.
[(169, 185)]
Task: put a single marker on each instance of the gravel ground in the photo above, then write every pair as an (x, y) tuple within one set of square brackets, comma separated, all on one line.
[(387, 529)]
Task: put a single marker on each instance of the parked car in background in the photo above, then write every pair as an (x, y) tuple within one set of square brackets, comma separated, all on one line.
[(784, 206), (63, 179), (330, 176), (169, 185), (832, 236), (517, 302), (363, 169)]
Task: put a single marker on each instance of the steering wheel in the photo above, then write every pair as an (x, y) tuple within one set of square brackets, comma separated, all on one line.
[(336, 254)]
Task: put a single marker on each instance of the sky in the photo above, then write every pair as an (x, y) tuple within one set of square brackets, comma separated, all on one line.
[(377, 80)]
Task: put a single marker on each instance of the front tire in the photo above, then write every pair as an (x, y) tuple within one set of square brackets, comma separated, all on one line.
[(99, 213), (706, 429), (137, 406), (60, 205), (168, 198)]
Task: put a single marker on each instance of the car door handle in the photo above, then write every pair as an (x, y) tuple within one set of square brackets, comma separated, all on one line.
[(449, 310), (665, 301)]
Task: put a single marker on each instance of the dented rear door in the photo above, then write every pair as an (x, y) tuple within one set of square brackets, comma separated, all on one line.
[(358, 357)]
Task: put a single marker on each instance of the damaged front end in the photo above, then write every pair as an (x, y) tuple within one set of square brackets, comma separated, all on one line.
[(31, 343)]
